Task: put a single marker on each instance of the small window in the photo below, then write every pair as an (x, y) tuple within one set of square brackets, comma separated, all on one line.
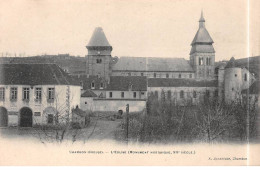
[(169, 94), (182, 94), (37, 113), (92, 85), (110, 94), (142, 74), (50, 119), (167, 75), (154, 75), (134, 94), (86, 103), (245, 77), (235, 75), (179, 75), (216, 93), (194, 94), (232, 89), (99, 60), (2, 93), (129, 74), (101, 85), (142, 93), (38, 94), (156, 94), (190, 75), (122, 94), (51, 93), (207, 93), (13, 94)]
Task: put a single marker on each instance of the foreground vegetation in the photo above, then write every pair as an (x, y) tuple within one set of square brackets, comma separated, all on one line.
[(212, 121)]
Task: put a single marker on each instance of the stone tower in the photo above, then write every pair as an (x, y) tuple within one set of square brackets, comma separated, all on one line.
[(202, 54), (232, 81), (99, 55)]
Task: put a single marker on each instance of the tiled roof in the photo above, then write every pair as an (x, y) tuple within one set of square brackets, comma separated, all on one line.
[(98, 39), (253, 89), (34, 74), (117, 83), (88, 93), (152, 64), (165, 82), (124, 83), (202, 36)]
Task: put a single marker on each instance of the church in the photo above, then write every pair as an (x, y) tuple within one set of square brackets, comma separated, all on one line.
[(109, 83)]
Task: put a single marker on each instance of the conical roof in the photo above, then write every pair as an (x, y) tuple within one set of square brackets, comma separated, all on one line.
[(202, 35), (231, 63), (98, 39)]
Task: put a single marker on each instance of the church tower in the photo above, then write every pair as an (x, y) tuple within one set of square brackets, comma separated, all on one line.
[(99, 55), (202, 54)]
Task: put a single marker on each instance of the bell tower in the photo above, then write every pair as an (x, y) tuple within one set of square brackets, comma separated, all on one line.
[(99, 55), (202, 54)]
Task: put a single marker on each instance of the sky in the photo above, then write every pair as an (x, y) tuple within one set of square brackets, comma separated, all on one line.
[(138, 28)]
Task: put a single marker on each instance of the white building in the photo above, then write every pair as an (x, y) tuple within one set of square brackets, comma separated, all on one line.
[(36, 94)]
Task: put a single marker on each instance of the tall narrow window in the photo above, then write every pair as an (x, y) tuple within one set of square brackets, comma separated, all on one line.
[(216, 93), (169, 94), (167, 75), (154, 75), (194, 94), (245, 77), (92, 85), (122, 94), (2, 93), (51, 93), (110, 94), (38, 94), (50, 118), (209, 61), (156, 94), (13, 96), (207, 93), (134, 94), (101, 85), (182, 94)]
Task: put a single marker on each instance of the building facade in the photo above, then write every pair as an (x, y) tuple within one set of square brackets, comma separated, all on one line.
[(36, 94)]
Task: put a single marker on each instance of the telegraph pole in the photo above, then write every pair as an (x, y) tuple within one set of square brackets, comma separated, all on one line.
[(127, 121)]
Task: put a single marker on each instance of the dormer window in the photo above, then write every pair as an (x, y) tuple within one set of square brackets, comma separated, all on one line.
[(92, 85)]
